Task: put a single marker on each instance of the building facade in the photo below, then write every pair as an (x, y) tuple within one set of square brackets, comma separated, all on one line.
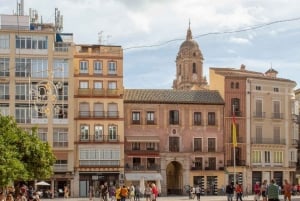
[(35, 71), (99, 117), (261, 104), (174, 138)]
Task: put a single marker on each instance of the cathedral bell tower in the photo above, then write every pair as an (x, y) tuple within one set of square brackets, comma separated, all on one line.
[(189, 66)]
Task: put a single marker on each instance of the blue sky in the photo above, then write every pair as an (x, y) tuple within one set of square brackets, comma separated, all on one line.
[(135, 23)]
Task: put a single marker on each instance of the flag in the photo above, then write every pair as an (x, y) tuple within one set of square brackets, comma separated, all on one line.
[(234, 141)]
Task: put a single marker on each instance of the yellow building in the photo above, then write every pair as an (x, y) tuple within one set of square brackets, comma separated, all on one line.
[(99, 117)]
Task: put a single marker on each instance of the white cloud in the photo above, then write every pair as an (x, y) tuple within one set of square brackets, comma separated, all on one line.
[(239, 40)]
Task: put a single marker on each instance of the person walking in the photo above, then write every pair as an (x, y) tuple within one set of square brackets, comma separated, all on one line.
[(273, 191), (198, 192), (257, 191), (148, 192), (238, 191), (230, 191), (263, 190), (287, 189)]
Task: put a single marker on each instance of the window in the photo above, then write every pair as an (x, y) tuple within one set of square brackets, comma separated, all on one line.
[(42, 134), (4, 66), (83, 84), (150, 146), (174, 117), (258, 108), (278, 156), (237, 85), (22, 91), (211, 119), (276, 110), (197, 144), (62, 90), (198, 163), (98, 132), (112, 132), (256, 157), (136, 118), (84, 132), (32, 42), (98, 67), (235, 109), (60, 137), (61, 68), (22, 114), (112, 85), (179, 70), (267, 157), (4, 91), (99, 157), (174, 144), (112, 68), (136, 146), (84, 109), (150, 117), (4, 109), (211, 144), (113, 110), (23, 67), (98, 110), (39, 68), (276, 135), (258, 135), (197, 118), (194, 68), (98, 85), (276, 89), (4, 41), (232, 85), (83, 67), (258, 88), (39, 113), (212, 163), (61, 111)]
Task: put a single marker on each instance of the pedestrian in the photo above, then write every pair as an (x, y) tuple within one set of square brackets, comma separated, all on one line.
[(273, 191), (198, 192), (238, 191), (124, 193), (263, 189), (137, 193), (230, 191), (148, 192), (287, 189), (131, 190), (66, 192), (118, 193), (154, 192), (257, 191)]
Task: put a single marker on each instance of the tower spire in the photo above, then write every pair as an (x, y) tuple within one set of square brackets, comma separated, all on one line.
[(189, 32)]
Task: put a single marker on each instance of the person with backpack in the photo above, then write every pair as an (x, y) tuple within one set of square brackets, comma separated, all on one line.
[(230, 191)]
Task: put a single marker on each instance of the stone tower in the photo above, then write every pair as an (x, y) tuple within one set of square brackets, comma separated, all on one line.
[(189, 66)]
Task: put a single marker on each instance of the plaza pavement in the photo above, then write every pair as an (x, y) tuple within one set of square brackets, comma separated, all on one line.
[(174, 198)]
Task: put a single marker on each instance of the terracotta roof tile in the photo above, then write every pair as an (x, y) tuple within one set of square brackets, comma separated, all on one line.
[(172, 96)]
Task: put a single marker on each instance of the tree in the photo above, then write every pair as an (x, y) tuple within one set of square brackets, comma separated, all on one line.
[(23, 156)]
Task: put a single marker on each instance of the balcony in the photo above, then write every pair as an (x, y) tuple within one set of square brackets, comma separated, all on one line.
[(237, 162), (87, 92), (97, 114), (60, 167), (99, 163), (142, 167), (98, 138), (259, 115), (143, 152), (268, 141), (277, 115)]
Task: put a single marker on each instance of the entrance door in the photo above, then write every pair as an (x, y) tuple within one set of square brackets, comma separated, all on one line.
[(83, 188), (174, 178)]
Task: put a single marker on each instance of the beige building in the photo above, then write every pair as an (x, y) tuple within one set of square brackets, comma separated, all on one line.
[(99, 117), (35, 71), (296, 118), (262, 105)]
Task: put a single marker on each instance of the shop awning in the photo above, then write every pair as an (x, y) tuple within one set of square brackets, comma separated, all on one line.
[(142, 139), (145, 176)]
